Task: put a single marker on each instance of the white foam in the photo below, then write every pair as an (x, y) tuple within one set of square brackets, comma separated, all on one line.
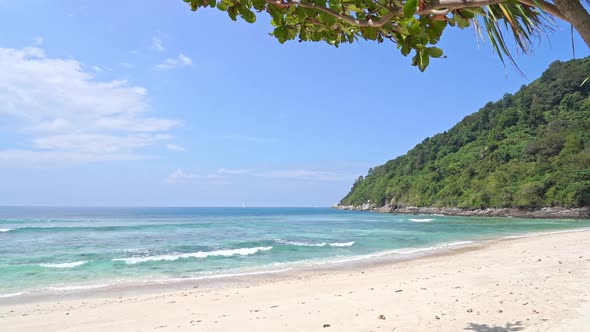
[(403, 251), (76, 288), (64, 265), (12, 294), (458, 243), (199, 254), (341, 244), (322, 244), (6, 230), (421, 220), (413, 250)]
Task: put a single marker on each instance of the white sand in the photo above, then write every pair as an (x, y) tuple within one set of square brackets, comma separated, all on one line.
[(531, 284)]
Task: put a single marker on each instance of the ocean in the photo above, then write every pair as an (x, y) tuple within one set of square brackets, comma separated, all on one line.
[(46, 250)]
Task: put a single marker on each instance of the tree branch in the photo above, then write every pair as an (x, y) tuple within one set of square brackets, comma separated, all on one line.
[(433, 7), (347, 18), (454, 4)]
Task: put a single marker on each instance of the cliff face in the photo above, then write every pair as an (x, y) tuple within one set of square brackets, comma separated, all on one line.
[(526, 151)]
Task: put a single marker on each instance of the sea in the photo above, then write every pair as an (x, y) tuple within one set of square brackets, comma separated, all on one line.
[(56, 250)]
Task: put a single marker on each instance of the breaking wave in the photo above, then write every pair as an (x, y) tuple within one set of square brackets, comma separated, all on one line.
[(199, 254), (64, 265), (322, 244)]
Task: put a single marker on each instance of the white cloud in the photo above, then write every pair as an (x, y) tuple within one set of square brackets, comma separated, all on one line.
[(126, 65), (225, 173), (172, 63), (59, 156), (39, 41), (228, 171), (301, 174), (158, 44), (175, 147), (180, 176), (69, 115)]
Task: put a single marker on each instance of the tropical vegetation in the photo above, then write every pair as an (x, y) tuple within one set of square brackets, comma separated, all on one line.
[(530, 149)]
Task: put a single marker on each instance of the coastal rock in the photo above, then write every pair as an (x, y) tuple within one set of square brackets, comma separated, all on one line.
[(544, 213)]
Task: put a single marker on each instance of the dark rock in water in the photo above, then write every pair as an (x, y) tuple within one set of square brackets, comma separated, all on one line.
[(544, 213)]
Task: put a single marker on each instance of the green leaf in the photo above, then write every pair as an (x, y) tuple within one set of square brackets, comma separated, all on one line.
[(248, 15), (410, 7), (424, 61), (438, 27), (434, 52), (415, 27), (281, 34), (369, 33), (466, 13), (222, 6), (406, 49), (232, 12), (258, 4)]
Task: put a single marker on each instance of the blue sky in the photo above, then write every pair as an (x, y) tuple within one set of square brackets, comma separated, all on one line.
[(147, 103)]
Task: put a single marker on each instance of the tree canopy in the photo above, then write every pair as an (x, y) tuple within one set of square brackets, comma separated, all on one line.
[(527, 150), (415, 26)]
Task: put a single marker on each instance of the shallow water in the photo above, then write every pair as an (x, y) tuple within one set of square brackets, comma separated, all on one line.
[(65, 249)]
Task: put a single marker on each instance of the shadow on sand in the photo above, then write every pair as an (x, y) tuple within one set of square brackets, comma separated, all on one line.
[(516, 326)]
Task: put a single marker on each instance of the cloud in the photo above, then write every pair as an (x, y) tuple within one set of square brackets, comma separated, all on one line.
[(158, 44), (229, 171), (172, 63), (126, 65), (12, 155), (67, 114), (242, 138), (180, 176), (225, 173), (175, 147), (301, 174), (39, 41)]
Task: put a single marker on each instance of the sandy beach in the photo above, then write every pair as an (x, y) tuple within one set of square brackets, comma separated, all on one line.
[(531, 284)]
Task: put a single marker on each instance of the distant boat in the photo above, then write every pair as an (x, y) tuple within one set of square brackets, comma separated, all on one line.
[(243, 205)]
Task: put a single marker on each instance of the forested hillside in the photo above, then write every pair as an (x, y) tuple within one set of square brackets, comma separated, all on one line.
[(528, 150)]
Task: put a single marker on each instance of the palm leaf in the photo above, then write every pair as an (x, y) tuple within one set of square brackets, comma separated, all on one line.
[(525, 23)]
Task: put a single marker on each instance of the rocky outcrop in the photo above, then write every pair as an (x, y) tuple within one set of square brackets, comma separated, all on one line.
[(543, 213)]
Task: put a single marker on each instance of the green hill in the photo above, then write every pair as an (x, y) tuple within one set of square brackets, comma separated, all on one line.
[(527, 150)]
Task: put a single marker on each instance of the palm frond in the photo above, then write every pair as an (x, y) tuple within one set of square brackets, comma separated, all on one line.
[(525, 23)]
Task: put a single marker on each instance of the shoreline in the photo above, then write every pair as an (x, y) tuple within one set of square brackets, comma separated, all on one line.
[(244, 278), (471, 264), (540, 213)]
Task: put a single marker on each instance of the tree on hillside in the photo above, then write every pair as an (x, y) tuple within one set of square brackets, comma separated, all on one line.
[(413, 25)]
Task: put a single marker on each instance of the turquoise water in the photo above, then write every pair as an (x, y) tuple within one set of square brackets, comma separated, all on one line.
[(58, 249)]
